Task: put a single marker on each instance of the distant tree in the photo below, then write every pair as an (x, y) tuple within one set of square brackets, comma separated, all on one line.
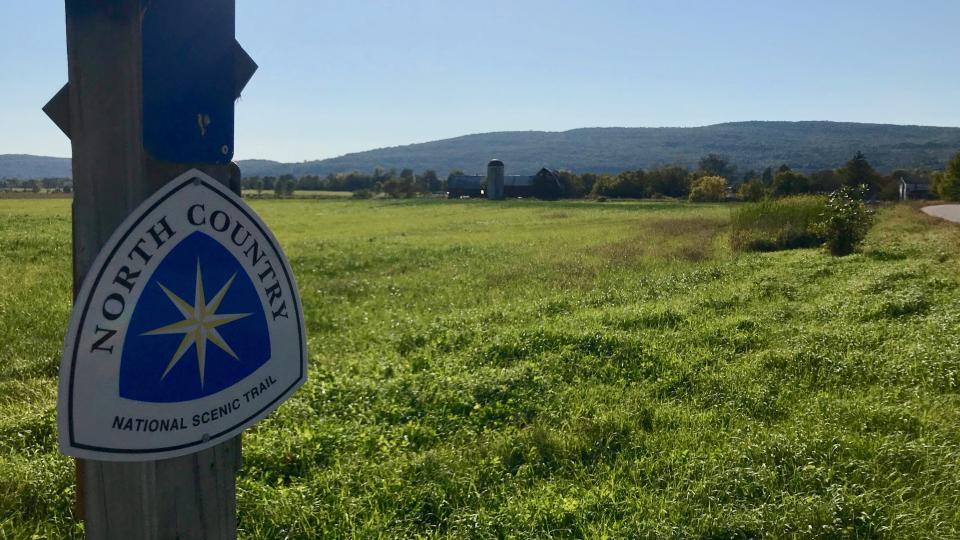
[(258, 185), (708, 189), (767, 177), (285, 185), (628, 184), (380, 175), (888, 188), (716, 165), (572, 185), (752, 190), (946, 184), (309, 182), (51, 183), (750, 175), (392, 187), (406, 174), (33, 185), (825, 181), (588, 180), (858, 172), (669, 181), (936, 185), (790, 183), (399, 188), (783, 168), (431, 181)]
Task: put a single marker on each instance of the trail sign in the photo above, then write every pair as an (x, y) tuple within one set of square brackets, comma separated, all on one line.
[(188, 86), (191, 71), (186, 331)]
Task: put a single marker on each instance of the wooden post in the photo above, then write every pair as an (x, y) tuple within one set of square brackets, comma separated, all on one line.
[(187, 497)]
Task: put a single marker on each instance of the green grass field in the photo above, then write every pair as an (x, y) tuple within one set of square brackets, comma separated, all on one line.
[(527, 369)]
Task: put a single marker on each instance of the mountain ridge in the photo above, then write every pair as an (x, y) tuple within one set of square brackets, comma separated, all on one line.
[(803, 145)]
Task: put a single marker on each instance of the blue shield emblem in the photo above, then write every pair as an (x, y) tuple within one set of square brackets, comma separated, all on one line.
[(198, 328)]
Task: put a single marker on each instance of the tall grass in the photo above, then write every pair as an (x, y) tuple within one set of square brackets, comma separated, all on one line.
[(776, 224), (556, 370)]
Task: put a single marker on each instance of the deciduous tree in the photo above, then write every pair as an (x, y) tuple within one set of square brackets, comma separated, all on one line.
[(946, 184), (708, 189), (715, 165)]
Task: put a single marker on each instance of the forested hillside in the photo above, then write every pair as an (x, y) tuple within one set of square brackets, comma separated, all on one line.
[(804, 146), (27, 166)]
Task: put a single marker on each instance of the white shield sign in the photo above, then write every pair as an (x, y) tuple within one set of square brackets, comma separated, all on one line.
[(187, 330)]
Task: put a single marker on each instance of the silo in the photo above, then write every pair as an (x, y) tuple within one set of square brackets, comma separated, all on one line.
[(495, 180)]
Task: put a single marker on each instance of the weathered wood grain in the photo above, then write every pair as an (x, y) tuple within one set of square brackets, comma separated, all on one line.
[(188, 497)]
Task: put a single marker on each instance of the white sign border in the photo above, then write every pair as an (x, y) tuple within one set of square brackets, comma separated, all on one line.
[(65, 429)]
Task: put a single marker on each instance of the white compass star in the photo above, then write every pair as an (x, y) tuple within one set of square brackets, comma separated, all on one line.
[(199, 324)]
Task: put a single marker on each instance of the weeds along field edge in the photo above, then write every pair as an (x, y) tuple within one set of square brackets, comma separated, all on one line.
[(578, 369)]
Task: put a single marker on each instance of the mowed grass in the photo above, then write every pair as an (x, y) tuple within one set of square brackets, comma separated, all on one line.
[(527, 369)]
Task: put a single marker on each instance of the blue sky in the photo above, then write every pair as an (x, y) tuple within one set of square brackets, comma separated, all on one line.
[(343, 76)]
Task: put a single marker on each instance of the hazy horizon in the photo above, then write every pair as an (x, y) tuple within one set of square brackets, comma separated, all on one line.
[(268, 158)]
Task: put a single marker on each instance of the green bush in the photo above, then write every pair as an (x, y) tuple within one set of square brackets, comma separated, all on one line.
[(845, 220), (708, 189), (775, 224), (788, 182), (362, 194), (751, 191), (946, 184), (626, 185)]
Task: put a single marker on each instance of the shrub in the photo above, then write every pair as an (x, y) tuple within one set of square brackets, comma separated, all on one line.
[(362, 194), (845, 220), (775, 224), (708, 189), (946, 184), (751, 190), (626, 185), (790, 183), (400, 188)]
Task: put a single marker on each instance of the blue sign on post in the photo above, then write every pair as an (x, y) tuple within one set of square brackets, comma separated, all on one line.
[(189, 82)]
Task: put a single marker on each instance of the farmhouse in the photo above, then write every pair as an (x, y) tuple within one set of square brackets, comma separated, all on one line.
[(475, 185), (914, 189)]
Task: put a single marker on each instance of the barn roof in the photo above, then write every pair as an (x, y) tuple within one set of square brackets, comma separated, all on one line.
[(474, 181), (517, 180), (465, 181)]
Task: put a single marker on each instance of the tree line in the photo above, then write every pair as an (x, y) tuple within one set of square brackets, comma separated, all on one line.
[(715, 178), (37, 185), (402, 184)]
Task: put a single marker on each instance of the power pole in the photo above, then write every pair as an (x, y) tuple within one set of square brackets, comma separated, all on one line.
[(115, 168)]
